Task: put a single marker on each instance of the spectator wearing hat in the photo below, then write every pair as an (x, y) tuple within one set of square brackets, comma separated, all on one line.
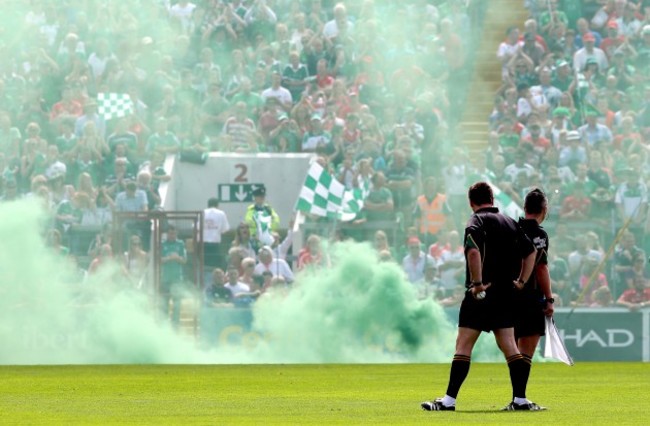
[(559, 124), (285, 137), (613, 40), (590, 51), (574, 153), (583, 28), (261, 218), (415, 261), (316, 137)]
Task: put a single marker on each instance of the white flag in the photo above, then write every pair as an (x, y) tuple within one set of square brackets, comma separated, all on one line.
[(554, 346)]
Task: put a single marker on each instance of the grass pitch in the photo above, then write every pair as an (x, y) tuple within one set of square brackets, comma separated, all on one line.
[(595, 393)]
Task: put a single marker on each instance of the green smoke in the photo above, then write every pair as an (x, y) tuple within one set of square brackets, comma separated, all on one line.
[(361, 310)]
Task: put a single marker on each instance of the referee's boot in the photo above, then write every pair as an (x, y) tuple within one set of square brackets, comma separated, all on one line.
[(437, 405), (526, 406)]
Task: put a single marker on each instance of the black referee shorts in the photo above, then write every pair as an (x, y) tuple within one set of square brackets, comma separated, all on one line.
[(492, 313), (529, 317)]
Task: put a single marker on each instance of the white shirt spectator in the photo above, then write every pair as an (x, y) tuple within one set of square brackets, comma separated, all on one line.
[(576, 258), (216, 224), (278, 267), (183, 12), (628, 29), (598, 132), (137, 203), (97, 64), (281, 94), (513, 170), (414, 268), (581, 56), (631, 198), (331, 28), (448, 275), (238, 288)]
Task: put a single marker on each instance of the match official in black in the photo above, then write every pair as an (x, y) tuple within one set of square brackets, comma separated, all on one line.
[(499, 257), (535, 300)]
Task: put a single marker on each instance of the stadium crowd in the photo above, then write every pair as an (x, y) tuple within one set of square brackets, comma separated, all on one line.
[(573, 117), (378, 105)]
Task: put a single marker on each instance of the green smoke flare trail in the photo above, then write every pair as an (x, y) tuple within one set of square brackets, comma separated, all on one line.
[(358, 311)]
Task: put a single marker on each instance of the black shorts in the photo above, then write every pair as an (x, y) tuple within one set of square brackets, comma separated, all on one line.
[(492, 313), (529, 317)]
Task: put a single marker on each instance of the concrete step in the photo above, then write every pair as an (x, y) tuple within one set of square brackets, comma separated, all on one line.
[(501, 14)]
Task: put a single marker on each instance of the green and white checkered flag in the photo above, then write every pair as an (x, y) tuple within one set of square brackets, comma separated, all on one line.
[(353, 202), (505, 203), (114, 105), (321, 194)]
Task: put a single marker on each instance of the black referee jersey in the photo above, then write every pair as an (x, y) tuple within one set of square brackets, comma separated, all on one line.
[(539, 237), (502, 245), (529, 310)]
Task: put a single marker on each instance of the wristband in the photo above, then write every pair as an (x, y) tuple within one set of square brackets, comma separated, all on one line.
[(550, 300), (473, 283)]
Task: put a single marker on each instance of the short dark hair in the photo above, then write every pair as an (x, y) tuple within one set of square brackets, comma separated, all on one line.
[(480, 193), (213, 202), (535, 201)]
